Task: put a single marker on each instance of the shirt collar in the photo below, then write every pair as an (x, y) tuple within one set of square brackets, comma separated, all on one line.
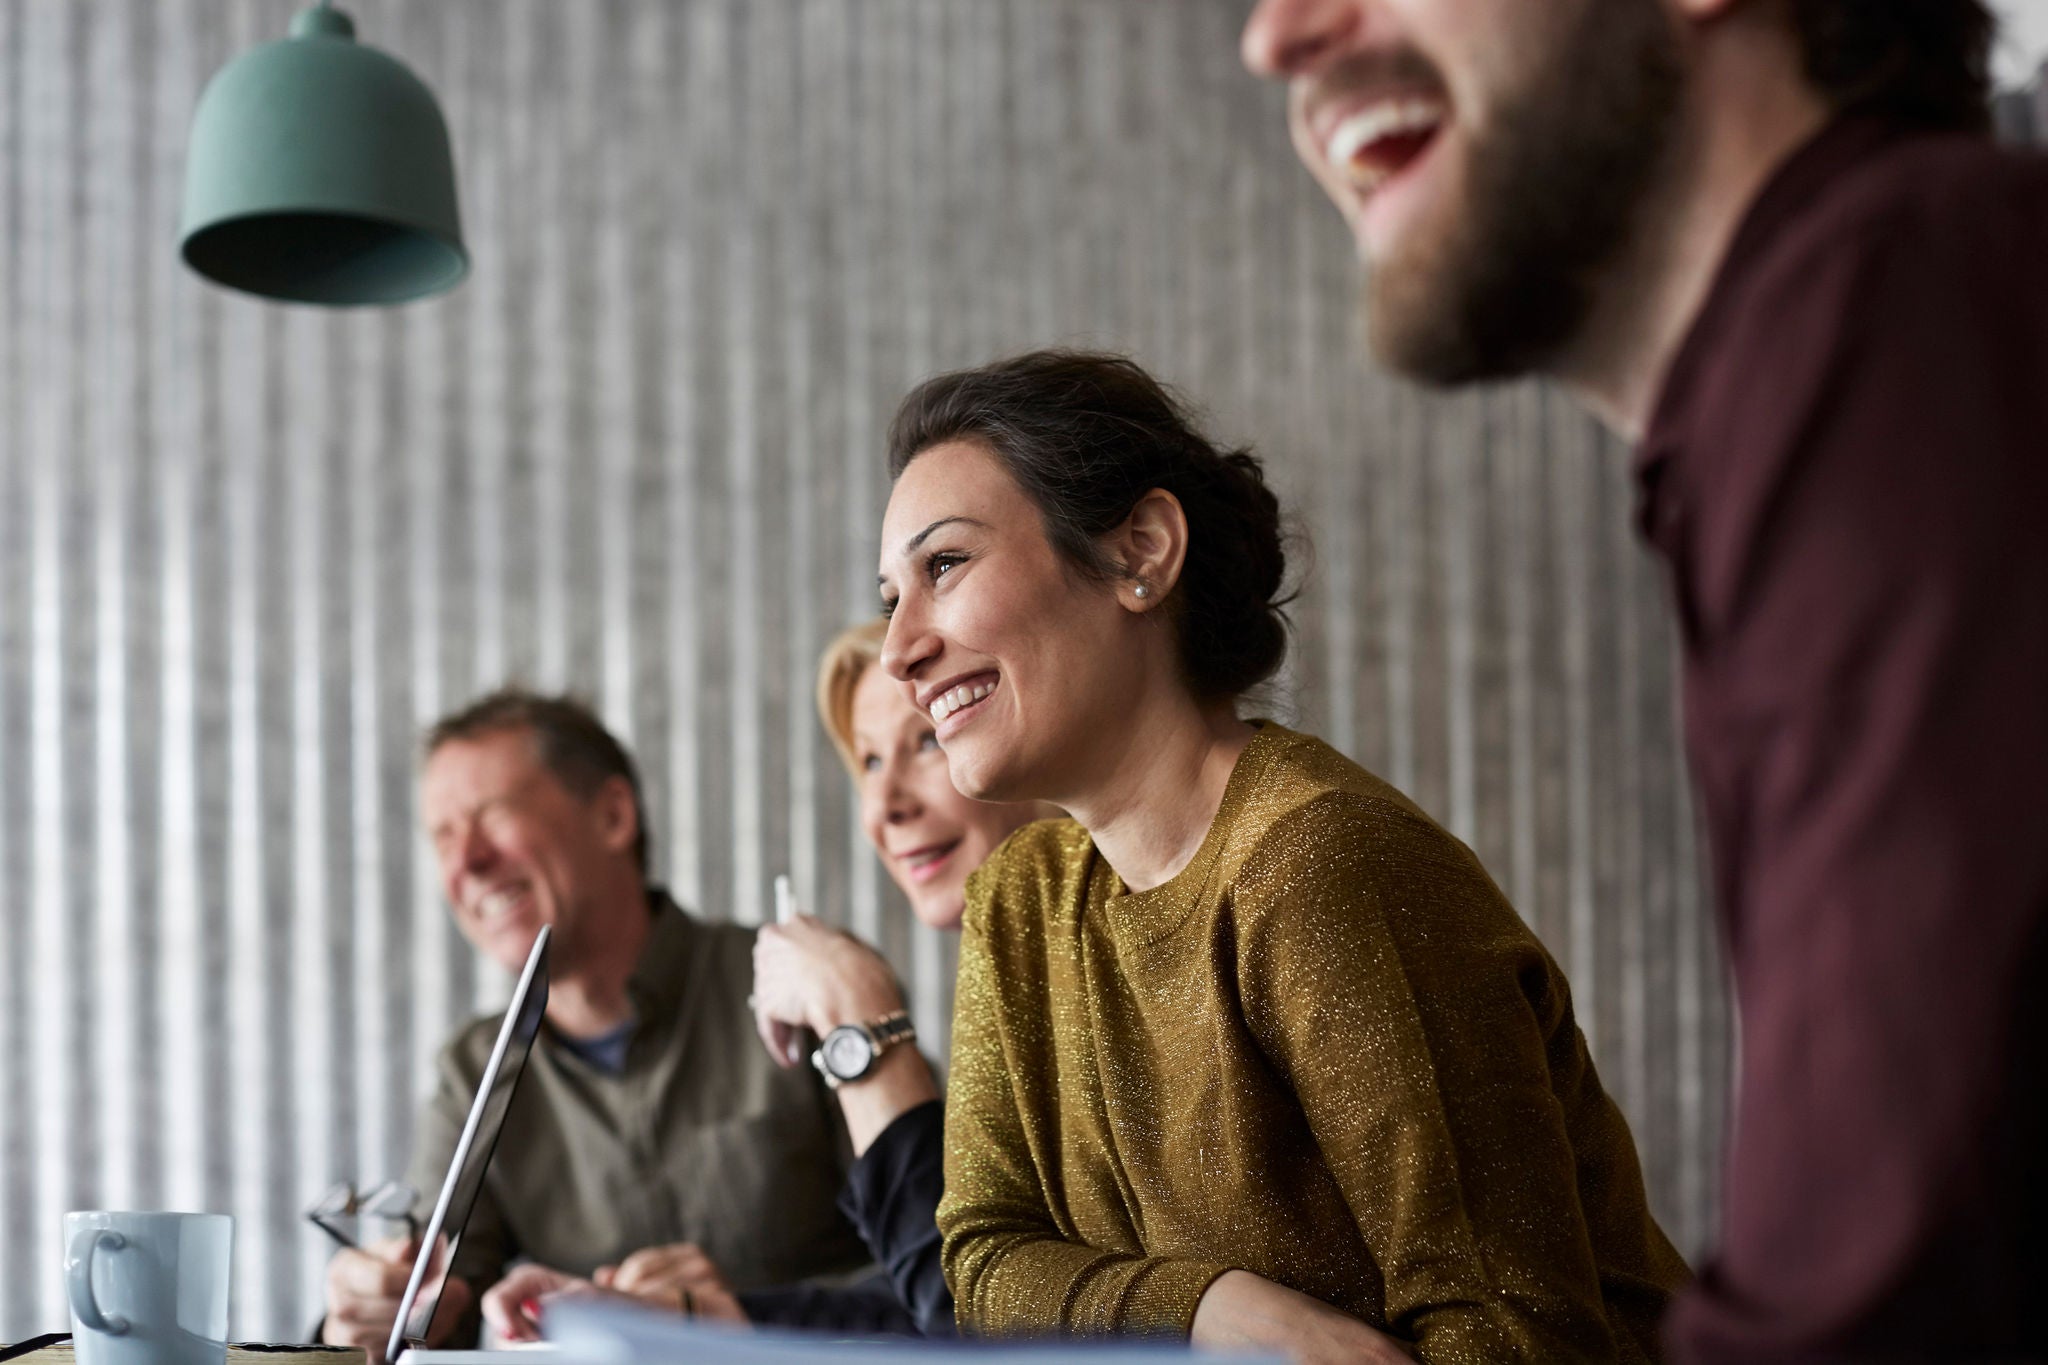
[(1841, 144), (656, 986)]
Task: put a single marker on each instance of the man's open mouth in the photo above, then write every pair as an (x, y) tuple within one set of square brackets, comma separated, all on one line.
[(1381, 140), (499, 901)]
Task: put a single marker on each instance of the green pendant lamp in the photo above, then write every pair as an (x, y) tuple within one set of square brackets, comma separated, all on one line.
[(319, 171)]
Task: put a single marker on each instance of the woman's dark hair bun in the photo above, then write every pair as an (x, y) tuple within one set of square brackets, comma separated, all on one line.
[(1233, 631), (1086, 434)]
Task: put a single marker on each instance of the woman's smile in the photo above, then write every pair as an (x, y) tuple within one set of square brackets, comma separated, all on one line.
[(923, 864), (954, 706)]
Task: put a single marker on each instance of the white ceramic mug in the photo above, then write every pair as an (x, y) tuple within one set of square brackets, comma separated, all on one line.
[(148, 1288)]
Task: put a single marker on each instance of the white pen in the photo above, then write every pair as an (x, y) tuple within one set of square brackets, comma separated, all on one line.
[(785, 911)]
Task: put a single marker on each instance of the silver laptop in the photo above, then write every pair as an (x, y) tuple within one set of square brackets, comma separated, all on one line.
[(466, 1168)]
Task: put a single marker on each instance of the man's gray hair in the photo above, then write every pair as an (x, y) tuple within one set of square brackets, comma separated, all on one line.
[(571, 741)]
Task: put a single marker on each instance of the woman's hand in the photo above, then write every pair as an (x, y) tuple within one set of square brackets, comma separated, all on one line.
[(678, 1276), (512, 1306), (1241, 1310), (807, 975)]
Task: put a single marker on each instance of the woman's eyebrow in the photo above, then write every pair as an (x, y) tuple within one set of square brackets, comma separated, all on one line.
[(910, 546)]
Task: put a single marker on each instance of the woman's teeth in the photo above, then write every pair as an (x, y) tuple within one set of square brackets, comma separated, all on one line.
[(1407, 120), (946, 703), (924, 858)]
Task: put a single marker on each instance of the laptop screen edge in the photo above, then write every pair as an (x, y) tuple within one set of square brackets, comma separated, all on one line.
[(516, 1010)]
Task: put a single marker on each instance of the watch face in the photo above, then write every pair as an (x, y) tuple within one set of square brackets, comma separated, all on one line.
[(848, 1053)]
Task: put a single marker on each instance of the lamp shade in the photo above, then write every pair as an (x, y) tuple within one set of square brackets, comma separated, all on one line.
[(319, 171)]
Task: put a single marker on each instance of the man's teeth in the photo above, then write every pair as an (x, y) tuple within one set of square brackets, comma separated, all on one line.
[(946, 703), (498, 902), (1391, 118)]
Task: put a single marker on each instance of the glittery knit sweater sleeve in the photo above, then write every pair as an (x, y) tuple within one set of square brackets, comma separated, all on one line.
[(1429, 1040), (1328, 1053), (1026, 1267)]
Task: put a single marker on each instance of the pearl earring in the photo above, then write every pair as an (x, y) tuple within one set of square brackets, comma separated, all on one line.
[(1142, 590)]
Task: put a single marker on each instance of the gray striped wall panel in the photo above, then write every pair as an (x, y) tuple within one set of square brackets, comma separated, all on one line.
[(245, 552)]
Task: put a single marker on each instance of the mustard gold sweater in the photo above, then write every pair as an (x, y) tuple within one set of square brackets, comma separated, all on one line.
[(1326, 1052)]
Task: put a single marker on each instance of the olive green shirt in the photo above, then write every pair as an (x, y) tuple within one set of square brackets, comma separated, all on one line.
[(700, 1138), (1327, 1052)]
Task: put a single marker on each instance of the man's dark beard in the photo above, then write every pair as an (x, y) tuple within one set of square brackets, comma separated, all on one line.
[(1550, 196)]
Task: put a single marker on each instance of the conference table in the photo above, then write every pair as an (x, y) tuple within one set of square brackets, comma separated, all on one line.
[(60, 1353)]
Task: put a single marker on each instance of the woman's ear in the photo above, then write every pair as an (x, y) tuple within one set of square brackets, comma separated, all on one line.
[(1152, 545)]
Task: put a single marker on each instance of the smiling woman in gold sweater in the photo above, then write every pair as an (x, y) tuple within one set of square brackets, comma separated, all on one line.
[(1248, 1050)]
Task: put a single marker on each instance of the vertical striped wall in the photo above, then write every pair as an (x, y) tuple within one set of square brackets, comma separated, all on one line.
[(247, 551)]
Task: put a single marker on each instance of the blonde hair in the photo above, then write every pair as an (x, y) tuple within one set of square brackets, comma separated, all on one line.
[(845, 661)]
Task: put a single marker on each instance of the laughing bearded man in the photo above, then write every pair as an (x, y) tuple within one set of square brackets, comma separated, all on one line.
[(1770, 242)]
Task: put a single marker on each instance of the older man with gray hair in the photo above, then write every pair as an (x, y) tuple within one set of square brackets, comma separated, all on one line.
[(651, 1137)]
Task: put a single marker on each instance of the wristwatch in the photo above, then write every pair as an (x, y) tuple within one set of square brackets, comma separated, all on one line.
[(850, 1051)]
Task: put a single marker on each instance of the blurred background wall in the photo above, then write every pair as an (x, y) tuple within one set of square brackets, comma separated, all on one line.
[(247, 551)]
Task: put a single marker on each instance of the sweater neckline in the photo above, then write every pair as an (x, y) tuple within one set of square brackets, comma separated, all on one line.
[(1145, 916)]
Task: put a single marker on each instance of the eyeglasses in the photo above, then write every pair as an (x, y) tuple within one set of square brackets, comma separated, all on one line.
[(390, 1200)]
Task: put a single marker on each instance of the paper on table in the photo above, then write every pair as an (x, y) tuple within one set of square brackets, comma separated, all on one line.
[(603, 1333)]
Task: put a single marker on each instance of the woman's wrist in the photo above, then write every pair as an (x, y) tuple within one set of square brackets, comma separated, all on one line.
[(1241, 1310), (1215, 1323), (900, 1081), (862, 1004)]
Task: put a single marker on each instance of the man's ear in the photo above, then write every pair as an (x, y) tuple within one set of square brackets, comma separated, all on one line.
[(618, 818), (1152, 545)]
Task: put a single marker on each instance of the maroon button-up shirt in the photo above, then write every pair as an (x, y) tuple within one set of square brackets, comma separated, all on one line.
[(1847, 472)]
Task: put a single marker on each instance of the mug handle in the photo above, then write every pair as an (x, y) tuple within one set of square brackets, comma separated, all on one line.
[(78, 1280)]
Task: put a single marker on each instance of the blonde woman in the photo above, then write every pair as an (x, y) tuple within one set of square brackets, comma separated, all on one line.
[(810, 976)]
